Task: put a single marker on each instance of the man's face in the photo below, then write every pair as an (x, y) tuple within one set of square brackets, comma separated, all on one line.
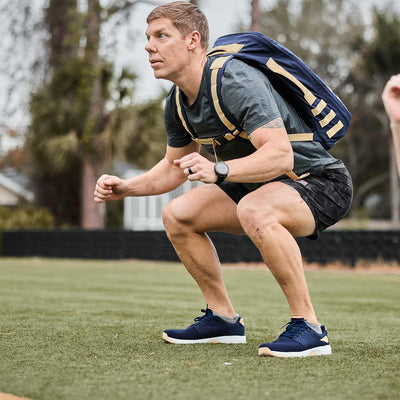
[(168, 50)]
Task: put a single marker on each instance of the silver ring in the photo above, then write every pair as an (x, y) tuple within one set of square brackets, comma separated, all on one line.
[(190, 171)]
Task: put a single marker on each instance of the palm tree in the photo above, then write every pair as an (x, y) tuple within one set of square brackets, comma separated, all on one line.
[(72, 136)]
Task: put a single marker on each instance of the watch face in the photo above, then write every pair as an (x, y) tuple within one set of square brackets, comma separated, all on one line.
[(221, 169)]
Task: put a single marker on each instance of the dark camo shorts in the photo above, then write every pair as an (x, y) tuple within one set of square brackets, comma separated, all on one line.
[(328, 192)]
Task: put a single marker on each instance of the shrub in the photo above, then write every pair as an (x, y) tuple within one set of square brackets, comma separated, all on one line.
[(25, 218)]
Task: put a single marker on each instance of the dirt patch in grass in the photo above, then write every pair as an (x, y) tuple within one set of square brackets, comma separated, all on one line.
[(6, 396)]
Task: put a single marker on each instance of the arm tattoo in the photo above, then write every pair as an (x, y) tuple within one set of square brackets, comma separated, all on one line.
[(276, 123)]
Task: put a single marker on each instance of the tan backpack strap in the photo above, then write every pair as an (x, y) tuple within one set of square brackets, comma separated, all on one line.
[(217, 64), (293, 176), (180, 113), (227, 49), (309, 97)]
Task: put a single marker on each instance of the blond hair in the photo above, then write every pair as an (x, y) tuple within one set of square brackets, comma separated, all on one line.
[(186, 17)]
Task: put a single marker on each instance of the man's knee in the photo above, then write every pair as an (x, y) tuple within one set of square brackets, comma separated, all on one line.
[(170, 216), (256, 220), (175, 216)]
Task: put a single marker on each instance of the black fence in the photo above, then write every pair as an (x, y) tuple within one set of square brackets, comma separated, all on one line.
[(345, 246)]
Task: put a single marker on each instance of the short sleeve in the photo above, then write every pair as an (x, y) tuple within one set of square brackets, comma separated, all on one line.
[(177, 136), (248, 96)]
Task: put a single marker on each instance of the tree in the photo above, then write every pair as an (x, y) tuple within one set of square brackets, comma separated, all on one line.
[(56, 111), (379, 59), (255, 16), (76, 115), (21, 65)]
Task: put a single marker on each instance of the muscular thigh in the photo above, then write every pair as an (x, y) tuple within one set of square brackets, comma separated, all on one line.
[(278, 202), (206, 208)]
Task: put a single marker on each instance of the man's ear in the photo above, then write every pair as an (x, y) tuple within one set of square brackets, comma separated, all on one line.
[(194, 40)]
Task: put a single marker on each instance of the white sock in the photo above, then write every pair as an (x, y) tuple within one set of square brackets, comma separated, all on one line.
[(227, 319), (316, 328)]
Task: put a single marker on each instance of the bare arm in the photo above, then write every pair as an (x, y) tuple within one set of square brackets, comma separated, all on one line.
[(274, 157), (391, 98), (391, 101), (163, 177)]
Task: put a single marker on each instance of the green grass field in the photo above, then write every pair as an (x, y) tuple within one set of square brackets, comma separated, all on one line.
[(74, 329)]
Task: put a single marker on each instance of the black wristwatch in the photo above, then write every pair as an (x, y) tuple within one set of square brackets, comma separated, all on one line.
[(222, 171)]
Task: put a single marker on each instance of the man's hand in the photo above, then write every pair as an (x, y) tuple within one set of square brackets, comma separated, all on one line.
[(201, 169), (109, 188), (391, 98)]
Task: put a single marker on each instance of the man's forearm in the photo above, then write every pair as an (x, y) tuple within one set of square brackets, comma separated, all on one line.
[(395, 127), (162, 178)]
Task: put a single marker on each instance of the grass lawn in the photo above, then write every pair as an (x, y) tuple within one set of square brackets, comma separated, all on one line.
[(72, 329)]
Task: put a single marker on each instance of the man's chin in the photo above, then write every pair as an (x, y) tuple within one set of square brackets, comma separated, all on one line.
[(160, 75)]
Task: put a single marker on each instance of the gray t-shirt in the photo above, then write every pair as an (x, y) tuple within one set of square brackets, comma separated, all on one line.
[(249, 97)]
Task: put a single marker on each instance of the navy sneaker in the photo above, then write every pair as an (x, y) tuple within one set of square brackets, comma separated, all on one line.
[(298, 340), (208, 328)]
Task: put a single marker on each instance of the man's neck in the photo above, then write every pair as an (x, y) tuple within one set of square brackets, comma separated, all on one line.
[(190, 81)]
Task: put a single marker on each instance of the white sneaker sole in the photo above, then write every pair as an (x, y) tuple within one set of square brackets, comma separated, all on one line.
[(217, 339), (316, 351)]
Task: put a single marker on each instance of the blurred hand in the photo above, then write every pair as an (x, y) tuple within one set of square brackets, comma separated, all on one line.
[(391, 98), (110, 188)]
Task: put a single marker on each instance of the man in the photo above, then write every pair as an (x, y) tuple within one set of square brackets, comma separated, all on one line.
[(391, 101), (250, 193)]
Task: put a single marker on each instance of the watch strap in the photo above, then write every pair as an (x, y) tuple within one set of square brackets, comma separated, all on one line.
[(220, 179)]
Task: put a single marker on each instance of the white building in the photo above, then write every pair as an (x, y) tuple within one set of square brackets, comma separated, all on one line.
[(11, 192)]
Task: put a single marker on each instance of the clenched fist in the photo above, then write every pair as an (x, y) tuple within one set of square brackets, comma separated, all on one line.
[(110, 188)]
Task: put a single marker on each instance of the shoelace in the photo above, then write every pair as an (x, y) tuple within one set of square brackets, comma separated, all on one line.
[(203, 318), (293, 329)]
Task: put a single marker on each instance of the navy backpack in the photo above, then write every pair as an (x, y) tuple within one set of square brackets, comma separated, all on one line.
[(313, 100)]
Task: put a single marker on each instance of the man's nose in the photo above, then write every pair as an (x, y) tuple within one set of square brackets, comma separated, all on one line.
[(150, 47)]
